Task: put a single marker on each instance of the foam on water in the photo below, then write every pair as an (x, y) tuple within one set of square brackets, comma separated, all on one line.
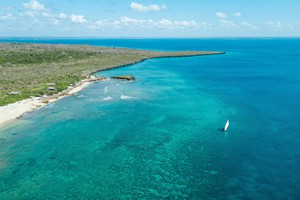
[(107, 98), (126, 97)]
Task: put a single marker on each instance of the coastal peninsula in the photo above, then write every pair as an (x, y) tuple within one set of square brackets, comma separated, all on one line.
[(32, 75)]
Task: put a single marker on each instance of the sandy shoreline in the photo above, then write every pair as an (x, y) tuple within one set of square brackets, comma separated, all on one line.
[(12, 111)]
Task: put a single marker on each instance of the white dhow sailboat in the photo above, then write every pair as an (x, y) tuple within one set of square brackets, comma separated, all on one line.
[(226, 126)]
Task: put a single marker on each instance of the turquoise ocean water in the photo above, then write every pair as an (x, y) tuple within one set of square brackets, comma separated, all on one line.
[(165, 141)]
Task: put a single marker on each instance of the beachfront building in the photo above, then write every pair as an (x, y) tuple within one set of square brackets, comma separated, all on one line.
[(14, 93), (51, 88)]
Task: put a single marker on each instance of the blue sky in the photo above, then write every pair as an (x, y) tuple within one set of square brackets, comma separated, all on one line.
[(149, 18)]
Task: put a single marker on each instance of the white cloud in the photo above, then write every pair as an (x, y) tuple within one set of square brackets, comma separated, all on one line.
[(152, 7), (102, 23), (248, 25), (205, 25), (293, 26), (62, 16), (185, 24), (126, 21), (221, 15), (34, 5), (272, 24), (227, 24), (277, 25), (29, 14), (7, 17), (237, 14), (78, 19), (165, 23)]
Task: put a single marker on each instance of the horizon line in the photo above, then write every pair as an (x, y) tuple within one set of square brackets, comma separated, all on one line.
[(93, 37)]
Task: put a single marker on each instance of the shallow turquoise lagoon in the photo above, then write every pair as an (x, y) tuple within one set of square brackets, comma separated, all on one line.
[(163, 140)]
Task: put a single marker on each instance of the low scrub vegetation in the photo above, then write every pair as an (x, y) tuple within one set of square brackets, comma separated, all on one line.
[(28, 68)]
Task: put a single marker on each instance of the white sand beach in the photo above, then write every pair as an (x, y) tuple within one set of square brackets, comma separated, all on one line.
[(12, 111)]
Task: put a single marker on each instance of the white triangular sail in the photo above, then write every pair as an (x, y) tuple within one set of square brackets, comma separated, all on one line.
[(226, 125)]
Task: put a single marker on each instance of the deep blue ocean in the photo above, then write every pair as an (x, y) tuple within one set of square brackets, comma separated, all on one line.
[(163, 138)]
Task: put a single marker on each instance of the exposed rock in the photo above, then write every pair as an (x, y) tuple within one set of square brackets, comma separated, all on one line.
[(124, 77)]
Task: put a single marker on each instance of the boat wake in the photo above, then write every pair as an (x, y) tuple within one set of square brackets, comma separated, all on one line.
[(107, 98), (105, 90), (126, 97)]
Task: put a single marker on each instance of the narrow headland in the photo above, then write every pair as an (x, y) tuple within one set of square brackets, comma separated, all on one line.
[(34, 75)]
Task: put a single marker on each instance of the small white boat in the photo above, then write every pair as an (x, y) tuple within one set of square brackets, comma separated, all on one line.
[(226, 126)]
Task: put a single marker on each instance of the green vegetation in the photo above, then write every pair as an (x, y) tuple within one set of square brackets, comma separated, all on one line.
[(29, 67)]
